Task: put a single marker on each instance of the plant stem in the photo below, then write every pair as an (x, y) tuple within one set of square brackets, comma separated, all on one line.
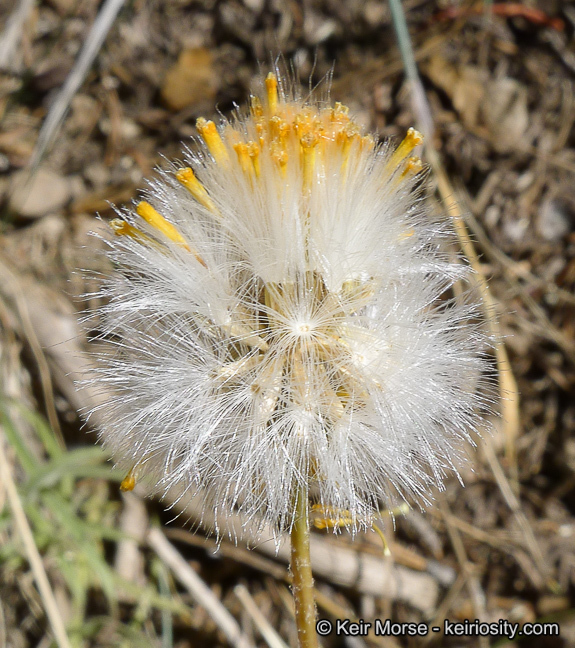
[(302, 585)]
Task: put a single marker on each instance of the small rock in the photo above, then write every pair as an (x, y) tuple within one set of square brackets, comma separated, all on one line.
[(255, 5), (555, 219), (464, 85), (504, 110), (76, 186), (516, 229), (318, 29), (468, 94), (44, 192), (51, 73), (128, 129), (97, 174), (492, 216), (524, 181), (81, 117), (376, 13)]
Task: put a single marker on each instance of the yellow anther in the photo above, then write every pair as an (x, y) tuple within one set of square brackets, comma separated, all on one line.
[(280, 157), (330, 517), (339, 113), (256, 107), (279, 128), (321, 134), (215, 144), (157, 221), (243, 157), (187, 178), (274, 126), (129, 481), (272, 92), (308, 146), (122, 228), (341, 138), (406, 235), (352, 130), (412, 167), (411, 140), (345, 139), (254, 153), (304, 123)]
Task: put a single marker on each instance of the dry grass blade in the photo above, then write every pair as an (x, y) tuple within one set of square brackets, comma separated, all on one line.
[(271, 637), (58, 110), (497, 541), (447, 604), (10, 37), (3, 639), (331, 561), (202, 594), (12, 287), (515, 506), (50, 605), (507, 384), (472, 582), (230, 550), (509, 393), (410, 67)]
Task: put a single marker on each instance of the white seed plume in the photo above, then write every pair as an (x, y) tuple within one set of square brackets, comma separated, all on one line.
[(280, 315)]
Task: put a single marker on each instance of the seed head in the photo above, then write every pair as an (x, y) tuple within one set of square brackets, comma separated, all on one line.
[(281, 315)]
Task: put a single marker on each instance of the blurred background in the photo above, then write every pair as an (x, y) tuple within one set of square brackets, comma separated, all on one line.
[(93, 95)]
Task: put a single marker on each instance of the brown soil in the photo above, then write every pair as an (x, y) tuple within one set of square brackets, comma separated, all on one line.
[(502, 93)]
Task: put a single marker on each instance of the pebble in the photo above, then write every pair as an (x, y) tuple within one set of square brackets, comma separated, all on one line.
[(554, 220), (506, 114), (45, 192)]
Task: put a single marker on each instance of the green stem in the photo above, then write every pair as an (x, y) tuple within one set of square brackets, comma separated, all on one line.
[(302, 585)]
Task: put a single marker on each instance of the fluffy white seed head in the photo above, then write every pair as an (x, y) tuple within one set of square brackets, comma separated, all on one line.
[(280, 316)]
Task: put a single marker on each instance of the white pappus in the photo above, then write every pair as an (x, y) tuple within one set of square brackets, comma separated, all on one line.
[(280, 315)]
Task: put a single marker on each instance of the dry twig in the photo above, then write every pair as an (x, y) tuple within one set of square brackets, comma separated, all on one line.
[(94, 41), (11, 287), (271, 637), (12, 34), (202, 594)]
